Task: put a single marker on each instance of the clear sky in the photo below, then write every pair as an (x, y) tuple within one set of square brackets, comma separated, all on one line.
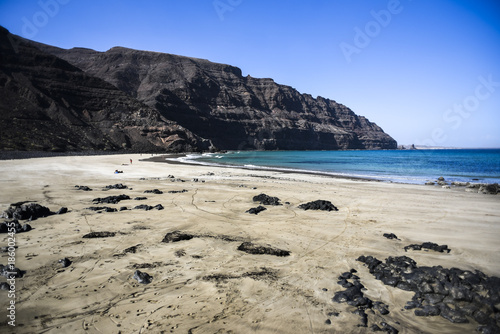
[(426, 71)]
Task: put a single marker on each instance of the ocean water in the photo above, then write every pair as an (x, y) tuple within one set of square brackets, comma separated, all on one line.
[(403, 166)]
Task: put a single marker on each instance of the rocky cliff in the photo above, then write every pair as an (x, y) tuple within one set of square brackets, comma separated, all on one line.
[(216, 102), (47, 104), (78, 99)]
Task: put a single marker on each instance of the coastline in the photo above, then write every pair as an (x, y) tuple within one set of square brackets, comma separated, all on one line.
[(204, 283), (163, 159)]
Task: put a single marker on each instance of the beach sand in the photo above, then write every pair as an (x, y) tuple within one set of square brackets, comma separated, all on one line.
[(205, 284)]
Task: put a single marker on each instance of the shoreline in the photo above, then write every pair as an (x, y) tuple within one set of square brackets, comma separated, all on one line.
[(201, 278), (162, 159), (453, 186)]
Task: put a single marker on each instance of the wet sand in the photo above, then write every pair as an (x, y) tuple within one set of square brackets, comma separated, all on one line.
[(205, 284)]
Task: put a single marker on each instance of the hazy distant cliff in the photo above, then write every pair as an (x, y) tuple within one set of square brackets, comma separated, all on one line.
[(199, 98)]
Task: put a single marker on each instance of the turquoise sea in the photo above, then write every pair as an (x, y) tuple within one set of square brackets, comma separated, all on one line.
[(403, 166)]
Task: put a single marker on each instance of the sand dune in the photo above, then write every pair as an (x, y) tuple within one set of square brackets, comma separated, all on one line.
[(205, 284)]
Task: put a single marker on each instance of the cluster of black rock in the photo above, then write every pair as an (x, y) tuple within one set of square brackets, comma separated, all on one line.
[(177, 236), (110, 199), (391, 236), (100, 209), (177, 191), (154, 191), (428, 245), (256, 210), (482, 188), (148, 207), (116, 186), (142, 277), (84, 188), (353, 295), (456, 295), (8, 225), (251, 248), (65, 262), (319, 205), (100, 234), (266, 200), (26, 210), (9, 272), (140, 198)]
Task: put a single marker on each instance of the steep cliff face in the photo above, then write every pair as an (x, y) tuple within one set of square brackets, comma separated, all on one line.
[(48, 104), (216, 102)]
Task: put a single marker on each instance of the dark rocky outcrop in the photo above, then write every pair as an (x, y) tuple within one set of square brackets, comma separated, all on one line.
[(319, 205), (101, 208), (256, 210), (154, 191), (216, 102), (251, 248), (62, 210), (353, 295), (266, 199), (9, 271), (47, 104), (84, 188), (101, 234), (65, 262), (428, 245), (457, 295), (177, 236), (149, 207), (26, 210), (142, 277), (116, 186), (14, 226), (110, 199), (390, 236)]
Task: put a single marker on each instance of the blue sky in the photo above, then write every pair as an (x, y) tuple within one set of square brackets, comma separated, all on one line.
[(426, 71)]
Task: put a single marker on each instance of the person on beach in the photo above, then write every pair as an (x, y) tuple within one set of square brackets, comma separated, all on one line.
[(130, 161)]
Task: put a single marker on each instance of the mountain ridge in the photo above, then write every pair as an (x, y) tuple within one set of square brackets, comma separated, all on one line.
[(216, 102)]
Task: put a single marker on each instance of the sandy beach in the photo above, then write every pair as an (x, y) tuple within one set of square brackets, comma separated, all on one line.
[(204, 283)]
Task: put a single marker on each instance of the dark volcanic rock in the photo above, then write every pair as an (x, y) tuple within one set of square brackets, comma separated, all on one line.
[(9, 271), (491, 189), (140, 198), (216, 102), (428, 245), (65, 262), (101, 208), (154, 191), (256, 210), (252, 248), (84, 188), (177, 191), (266, 200), (25, 210), (7, 226), (142, 277), (61, 211), (148, 207), (353, 295), (110, 199), (319, 205), (390, 236), (177, 236), (454, 294), (101, 234), (116, 186)]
